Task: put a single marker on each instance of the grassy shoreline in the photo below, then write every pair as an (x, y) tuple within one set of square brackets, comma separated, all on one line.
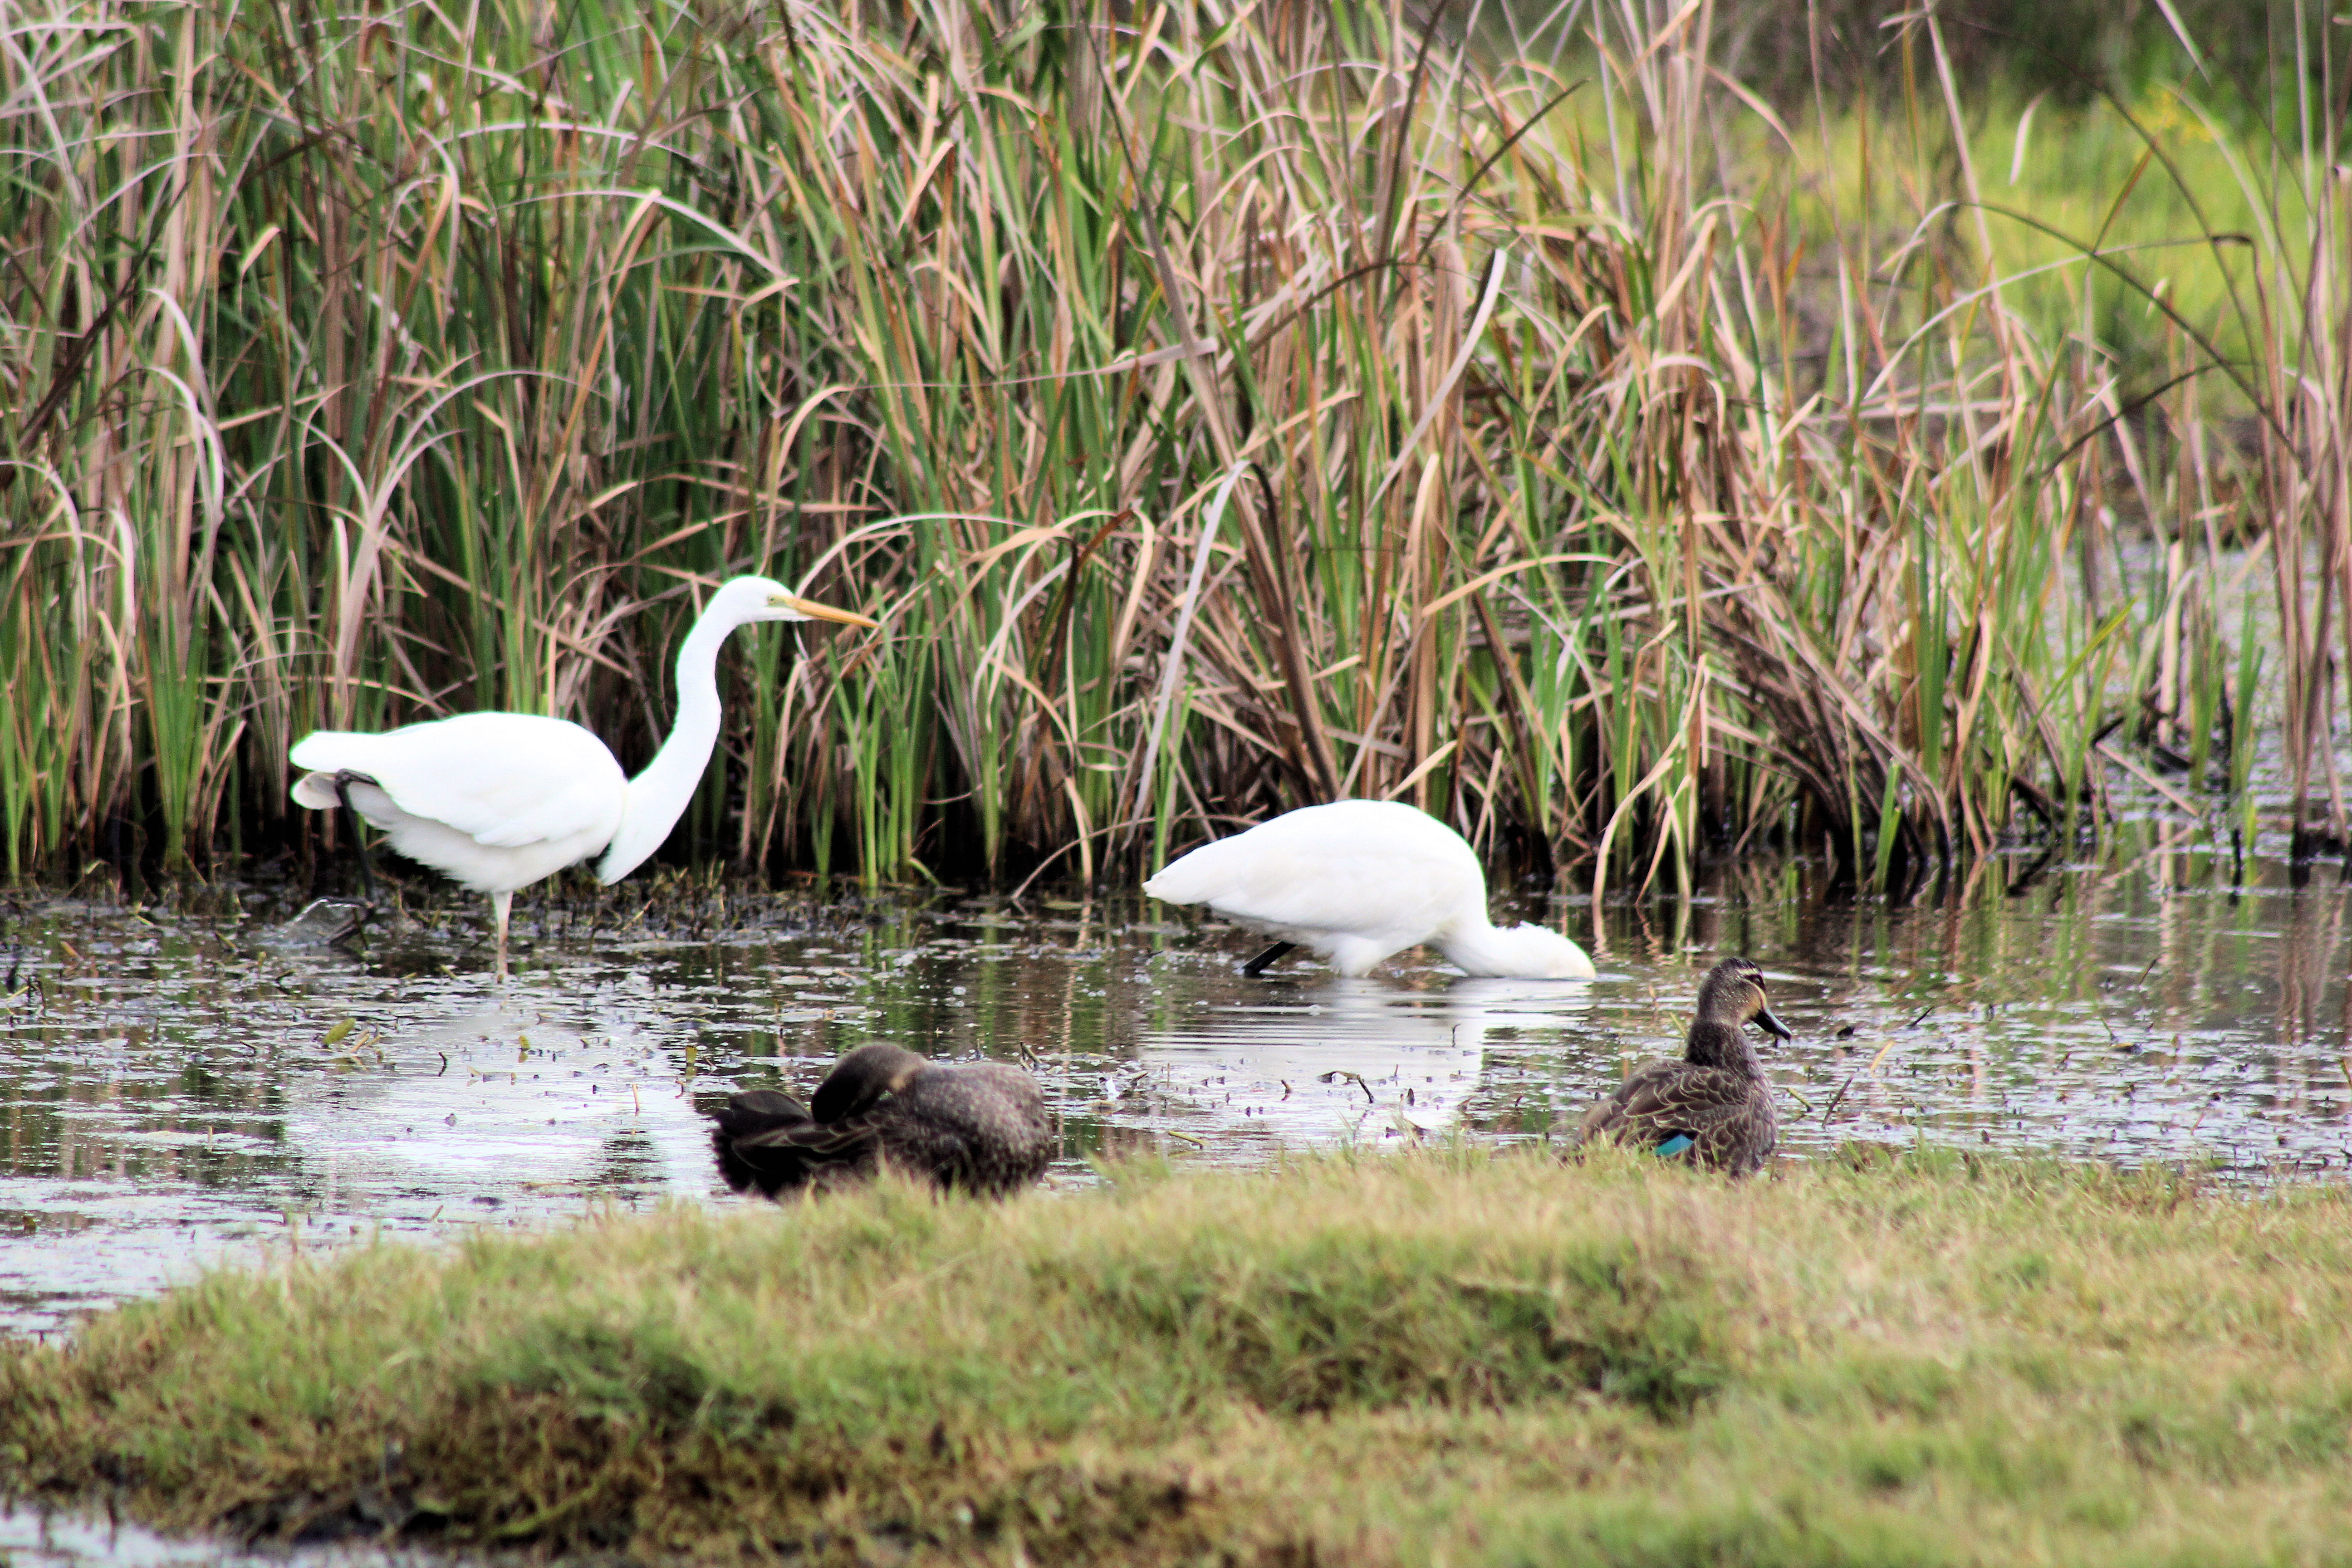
[(1448, 1355)]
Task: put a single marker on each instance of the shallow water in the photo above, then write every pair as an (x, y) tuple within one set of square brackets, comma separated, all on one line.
[(190, 1082), (34, 1537)]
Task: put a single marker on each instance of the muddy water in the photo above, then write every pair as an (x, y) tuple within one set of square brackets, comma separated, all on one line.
[(194, 1079), (34, 1538)]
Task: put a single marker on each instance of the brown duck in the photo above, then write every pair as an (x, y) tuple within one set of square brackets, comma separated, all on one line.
[(1713, 1108), (977, 1127)]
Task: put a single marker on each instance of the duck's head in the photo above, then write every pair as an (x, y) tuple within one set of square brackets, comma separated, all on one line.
[(861, 1079), (1733, 994)]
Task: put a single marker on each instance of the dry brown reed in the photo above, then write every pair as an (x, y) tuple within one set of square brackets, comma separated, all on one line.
[(1223, 411)]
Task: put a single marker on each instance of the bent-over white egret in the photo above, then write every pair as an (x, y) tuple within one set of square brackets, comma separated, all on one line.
[(1357, 880), (497, 801)]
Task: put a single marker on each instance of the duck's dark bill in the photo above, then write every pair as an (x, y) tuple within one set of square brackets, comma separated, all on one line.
[(1774, 1024)]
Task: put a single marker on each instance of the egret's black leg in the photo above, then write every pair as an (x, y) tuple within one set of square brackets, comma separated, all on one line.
[(359, 839), (1256, 967)]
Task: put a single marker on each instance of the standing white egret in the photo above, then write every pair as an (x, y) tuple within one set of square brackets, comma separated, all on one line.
[(1357, 880), (497, 801)]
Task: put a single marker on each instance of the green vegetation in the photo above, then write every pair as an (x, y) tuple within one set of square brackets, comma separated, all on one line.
[(2071, 51), (1224, 411), (1439, 1357)]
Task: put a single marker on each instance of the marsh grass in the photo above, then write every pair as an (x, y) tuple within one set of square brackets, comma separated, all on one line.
[(1483, 1359), (1222, 414)]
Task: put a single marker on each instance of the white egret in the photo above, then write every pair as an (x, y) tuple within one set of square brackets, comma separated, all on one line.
[(1357, 880), (497, 801)]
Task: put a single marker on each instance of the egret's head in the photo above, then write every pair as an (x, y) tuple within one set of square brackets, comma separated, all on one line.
[(1547, 955), (1517, 953), (746, 599)]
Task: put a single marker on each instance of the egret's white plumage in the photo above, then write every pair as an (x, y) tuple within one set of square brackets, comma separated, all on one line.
[(497, 801), (1357, 880)]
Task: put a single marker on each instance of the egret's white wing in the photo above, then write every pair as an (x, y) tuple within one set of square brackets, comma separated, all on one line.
[(503, 779), (1352, 865)]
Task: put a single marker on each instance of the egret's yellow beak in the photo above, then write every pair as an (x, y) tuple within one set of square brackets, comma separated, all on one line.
[(816, 612)]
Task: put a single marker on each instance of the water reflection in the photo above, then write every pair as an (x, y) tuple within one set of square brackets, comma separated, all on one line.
[(175, 1089), (1336, 1061)]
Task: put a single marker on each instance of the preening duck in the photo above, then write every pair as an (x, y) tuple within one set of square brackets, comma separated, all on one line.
[(977, 1127), (1357, 880), (1713, 1108)]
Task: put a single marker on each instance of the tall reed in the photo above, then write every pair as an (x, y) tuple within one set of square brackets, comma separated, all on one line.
[(1223, 410)]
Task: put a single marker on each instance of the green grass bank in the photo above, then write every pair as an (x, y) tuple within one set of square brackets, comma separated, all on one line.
[(1444, 1357)]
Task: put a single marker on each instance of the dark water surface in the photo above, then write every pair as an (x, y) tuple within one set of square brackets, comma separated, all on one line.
[(188, 1082)]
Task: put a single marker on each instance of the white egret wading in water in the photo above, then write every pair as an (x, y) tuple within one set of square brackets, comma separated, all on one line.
[(497, 801), (1357, 880)]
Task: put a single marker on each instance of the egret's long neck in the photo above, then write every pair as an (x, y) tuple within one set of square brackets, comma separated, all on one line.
[(656, 797), (1475, 945), (1521, 952)]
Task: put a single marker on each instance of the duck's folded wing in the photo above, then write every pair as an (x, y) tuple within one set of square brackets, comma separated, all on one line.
[(795, 1155), (758, 1110), (1666, 1099), (503, 779)]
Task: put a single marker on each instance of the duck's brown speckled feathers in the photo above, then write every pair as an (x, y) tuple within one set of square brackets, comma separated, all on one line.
[(748, 1115), (977, 1127), (1717, 1096)]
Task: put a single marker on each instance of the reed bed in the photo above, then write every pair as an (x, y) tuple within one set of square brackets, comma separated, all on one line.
[(1223, 411)]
